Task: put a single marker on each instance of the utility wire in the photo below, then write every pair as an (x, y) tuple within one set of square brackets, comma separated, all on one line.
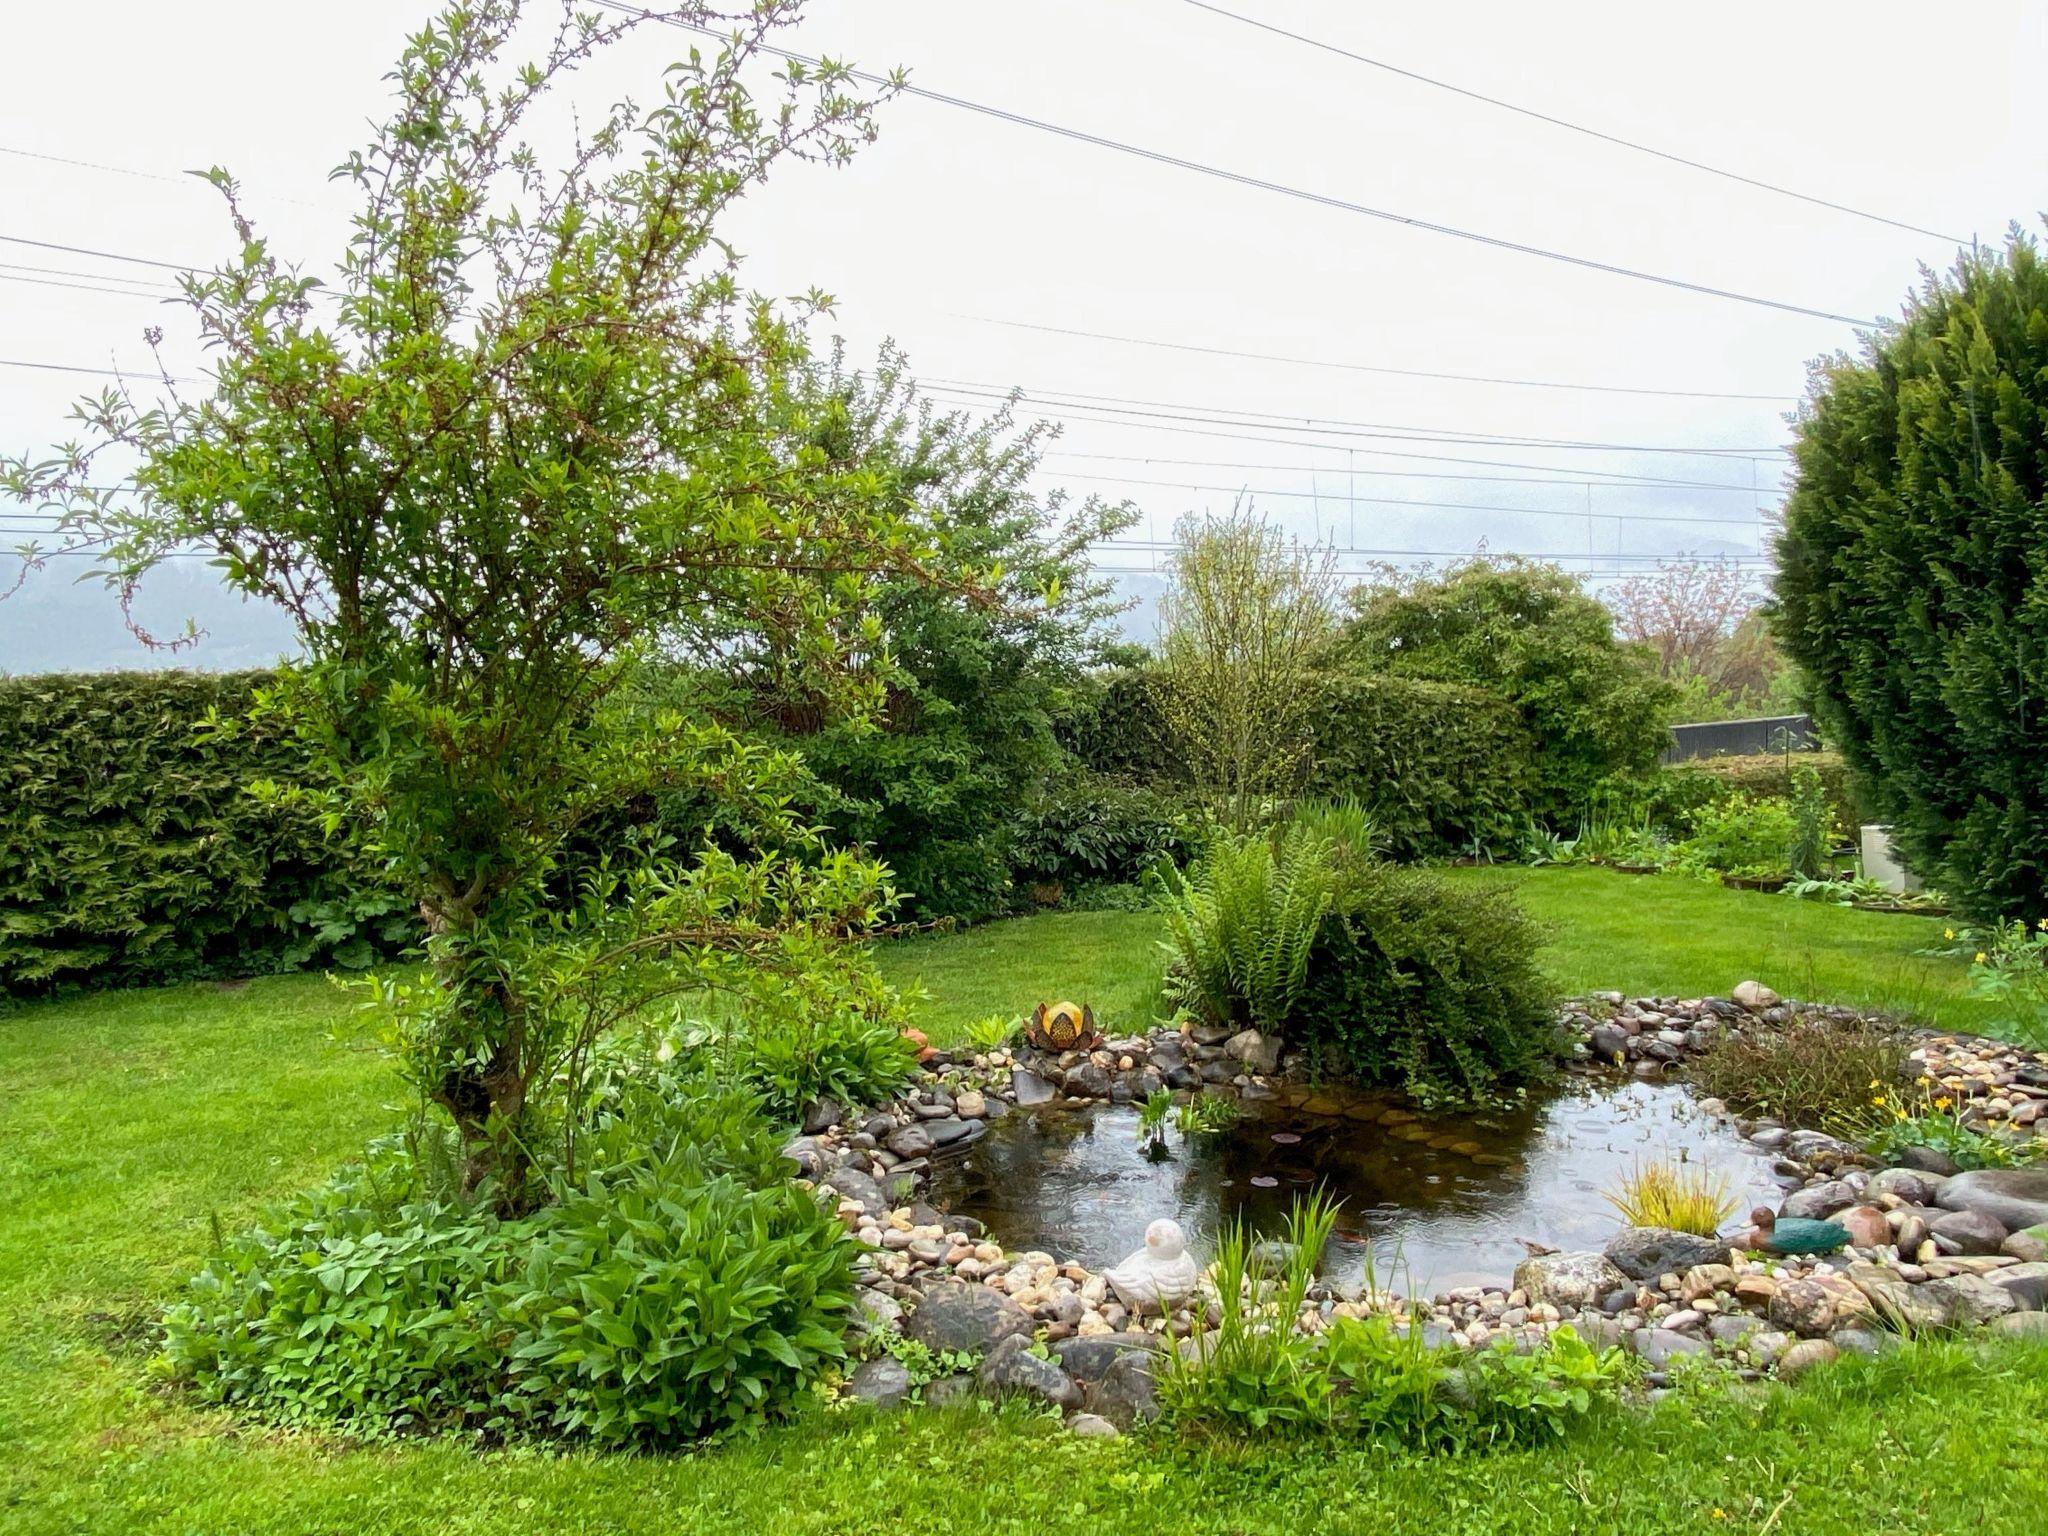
[(1262, 184), (1406, 373), (1341, 499), (1233, 417), (122, 293), (1573, 478), (82, 250), (1213, 435), (1559, 122)]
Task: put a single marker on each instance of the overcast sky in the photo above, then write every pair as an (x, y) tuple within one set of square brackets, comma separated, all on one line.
[(954, 221)]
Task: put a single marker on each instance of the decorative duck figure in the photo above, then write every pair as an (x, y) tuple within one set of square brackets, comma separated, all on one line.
[(1159, 1276), (1794, 1234)]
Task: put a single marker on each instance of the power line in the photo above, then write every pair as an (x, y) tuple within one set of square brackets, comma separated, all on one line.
[(1211, 434), (1562, 476), (1559, 122), (1406, 373), (1341, 499), (121, 293), (189, 179), (1259, 183), (1236, 417), (109, 373), (84, 250)]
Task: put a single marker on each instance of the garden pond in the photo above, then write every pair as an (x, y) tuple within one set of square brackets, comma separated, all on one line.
[(1429, 1202)]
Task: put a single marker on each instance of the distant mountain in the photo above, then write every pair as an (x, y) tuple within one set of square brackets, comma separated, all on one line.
[(57, 623)]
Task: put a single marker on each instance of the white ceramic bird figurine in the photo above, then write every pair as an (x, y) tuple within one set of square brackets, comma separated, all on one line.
[(1159, 1276)]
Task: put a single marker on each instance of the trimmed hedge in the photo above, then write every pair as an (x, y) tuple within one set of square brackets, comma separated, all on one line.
[(1441, 766), (132, 850)]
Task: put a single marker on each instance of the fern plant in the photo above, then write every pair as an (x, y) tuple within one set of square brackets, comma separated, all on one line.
[(1242, 920)]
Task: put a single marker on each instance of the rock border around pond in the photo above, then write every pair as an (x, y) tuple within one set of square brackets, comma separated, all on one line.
[(1929, 1248)]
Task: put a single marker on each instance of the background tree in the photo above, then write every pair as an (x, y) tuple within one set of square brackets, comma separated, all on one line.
[(1528, 631), (932, 779), (1246, 617), (1702, 620), (533, 427), (1911, 574)]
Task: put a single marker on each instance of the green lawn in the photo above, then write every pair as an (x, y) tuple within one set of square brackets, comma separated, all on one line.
[(1637, 933), (128, 1121)]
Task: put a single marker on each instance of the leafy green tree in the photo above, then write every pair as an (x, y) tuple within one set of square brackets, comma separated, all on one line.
[(932, 780), (534, 428), (1530, 632), (1911, 575), (1245, 618)]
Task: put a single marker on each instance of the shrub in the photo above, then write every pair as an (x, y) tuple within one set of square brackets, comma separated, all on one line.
[(1909, 575), (1418, 983), (1089, 831), (1680, 1197), (679, 1287), (1739, 835), (1529, 632), (1812, 1073), (2011, 965), (811, 1041), (1442, 767), (135, 849), (1114, 726)]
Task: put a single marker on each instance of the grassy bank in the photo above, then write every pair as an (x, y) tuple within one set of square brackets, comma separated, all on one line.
[(130, 1120)]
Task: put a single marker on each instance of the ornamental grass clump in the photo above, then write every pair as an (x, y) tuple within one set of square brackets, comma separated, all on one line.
[(1679, 1197)]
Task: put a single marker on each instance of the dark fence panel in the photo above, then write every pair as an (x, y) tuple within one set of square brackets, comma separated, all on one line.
[(1739, 738)]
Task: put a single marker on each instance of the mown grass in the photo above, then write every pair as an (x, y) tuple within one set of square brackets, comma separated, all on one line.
[(1668, 934), (129, 1120)]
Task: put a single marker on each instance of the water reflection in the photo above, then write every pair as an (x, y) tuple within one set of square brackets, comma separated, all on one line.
[(1443, 1200)]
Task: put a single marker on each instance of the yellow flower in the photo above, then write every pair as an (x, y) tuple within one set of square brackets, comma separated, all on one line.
[(2042, 925), (1948, 933), (1942, 1102), (1980, 957)]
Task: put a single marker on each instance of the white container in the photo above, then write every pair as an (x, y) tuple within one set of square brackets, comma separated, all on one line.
[(1881, 861)]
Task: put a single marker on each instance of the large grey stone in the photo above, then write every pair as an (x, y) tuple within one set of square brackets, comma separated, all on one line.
[(1085, 1080), (1128, 1389), (808, 1156), (882, 1382), (822, 1113), (1568, 1281), (1644, 1253), (2021, 1325), (957, 1315), (1818, 1201), (2030, 1246), (1088, 1358), (1660, 1346), (1977, 1299), (1011, 1369), (1029, 1087), (2027, 1284), (912, 1140), (1915, 1186), (855, 1185), (1259, 1053), (945, 1132), (1804, 1356), (2016, 1198), (1912, 1307), (1967, 1232)]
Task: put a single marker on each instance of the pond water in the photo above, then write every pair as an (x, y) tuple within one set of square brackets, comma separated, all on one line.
[(1430, 1202)]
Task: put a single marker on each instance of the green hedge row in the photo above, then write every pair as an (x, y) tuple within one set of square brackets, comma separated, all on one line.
[(1442, 766), (132, 850)]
